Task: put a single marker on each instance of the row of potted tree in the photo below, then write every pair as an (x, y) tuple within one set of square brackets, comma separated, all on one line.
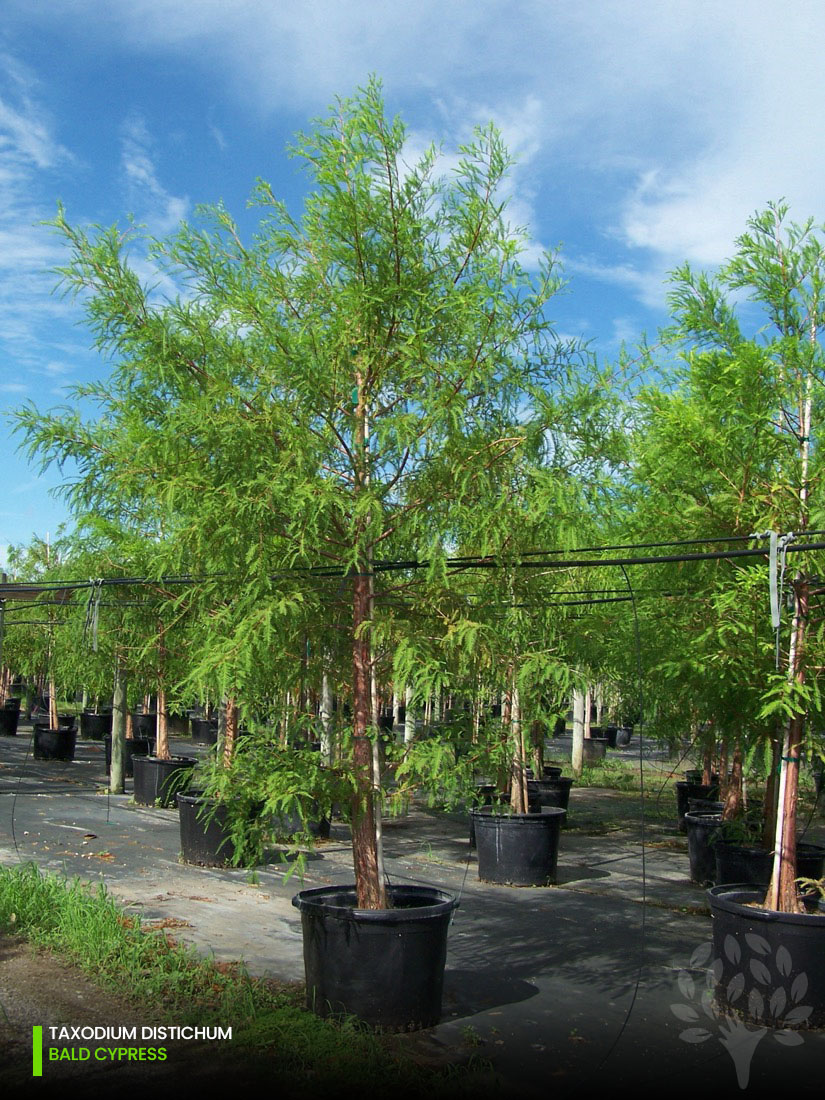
[(354, 452)]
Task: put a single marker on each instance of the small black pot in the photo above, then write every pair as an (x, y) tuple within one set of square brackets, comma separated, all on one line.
[(157, 781), (145, 725), (8, 722), (50, 744), (135, 746), (93, 726), (685, 791), (287, 825), (760, 952), (702, 833), (751, 863), (549, 771), (705, 806), (204, 730), (385, 966), (742, 863), (518, 849), (810, 860), (553, 791), (204, 831), (594, 749)]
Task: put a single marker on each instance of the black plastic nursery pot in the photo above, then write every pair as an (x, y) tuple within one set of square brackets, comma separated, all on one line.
[(94, 727), (552, 790), (595, 749), (702, 834), (135, 746), (317, 824), (518, 849), (145, 725), (810, 860), (768, 966), (618, 737), (204, 831), (8, 722), (490, 796), (204, 730), (157, 781), (750, 863), (685, 791), (51, 744), (385, 966), (742, 863)]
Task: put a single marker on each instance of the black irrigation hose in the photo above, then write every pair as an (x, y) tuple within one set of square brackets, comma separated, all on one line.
[(454, 564)]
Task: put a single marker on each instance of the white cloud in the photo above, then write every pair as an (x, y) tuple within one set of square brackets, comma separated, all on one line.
[(30, 154), (150, 199), (687, 114)]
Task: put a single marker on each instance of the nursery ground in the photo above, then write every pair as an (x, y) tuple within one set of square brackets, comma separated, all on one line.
[(569, 984)]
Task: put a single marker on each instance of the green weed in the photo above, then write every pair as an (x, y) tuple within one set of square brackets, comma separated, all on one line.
[(176, 985)]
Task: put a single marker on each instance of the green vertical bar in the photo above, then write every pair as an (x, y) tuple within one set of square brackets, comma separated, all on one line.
[(37, 1052)]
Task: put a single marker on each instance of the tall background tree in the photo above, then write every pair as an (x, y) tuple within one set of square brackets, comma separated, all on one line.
[(728, 445)]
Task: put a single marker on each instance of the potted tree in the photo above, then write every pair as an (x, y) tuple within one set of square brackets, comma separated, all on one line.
[(745, 408), (347, 395)]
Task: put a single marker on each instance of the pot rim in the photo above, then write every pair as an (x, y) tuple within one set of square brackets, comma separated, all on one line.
[(703, 815), (315, 901), (546, 812), (725, 898), (186, 760)]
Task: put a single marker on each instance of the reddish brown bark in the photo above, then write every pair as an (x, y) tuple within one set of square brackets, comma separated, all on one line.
[(230, 731), (733, 787)]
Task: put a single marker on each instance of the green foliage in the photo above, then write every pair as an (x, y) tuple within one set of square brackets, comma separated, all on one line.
[(271, 793), (378, 380)]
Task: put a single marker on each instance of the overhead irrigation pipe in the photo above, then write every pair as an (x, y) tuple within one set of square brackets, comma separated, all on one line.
[(22, 591)]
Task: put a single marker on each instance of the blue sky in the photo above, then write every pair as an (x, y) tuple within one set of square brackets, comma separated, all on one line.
[(646, 133)]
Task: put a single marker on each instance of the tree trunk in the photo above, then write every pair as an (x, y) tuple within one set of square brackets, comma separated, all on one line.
[(771, 794), (162, 742), (707, 760), (53, 721), (326, 718), (120, 717), (409, 715), (230, 730), (537, 747), (368, 883), (733, 787), (162, 721), (782, 893), (518, 782), (577, 760)]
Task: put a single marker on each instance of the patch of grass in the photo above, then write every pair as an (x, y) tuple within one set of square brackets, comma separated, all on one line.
[(176, 985)]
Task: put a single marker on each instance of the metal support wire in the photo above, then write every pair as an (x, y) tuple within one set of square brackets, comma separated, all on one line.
[(643, 835)]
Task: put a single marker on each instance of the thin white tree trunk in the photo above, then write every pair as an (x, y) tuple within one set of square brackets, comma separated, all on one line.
[(409, 715), (577, 758), (326, 718)]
